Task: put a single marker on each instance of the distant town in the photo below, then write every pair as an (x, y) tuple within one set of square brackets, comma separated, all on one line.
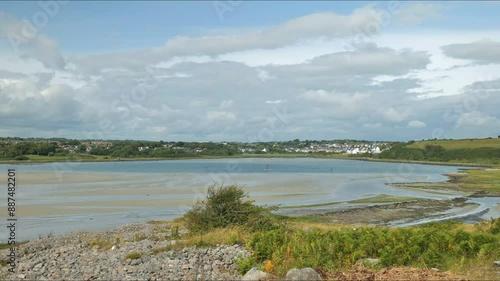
[(19, 148)]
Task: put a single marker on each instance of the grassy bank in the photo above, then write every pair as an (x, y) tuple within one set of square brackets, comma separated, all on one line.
[(480, 182)]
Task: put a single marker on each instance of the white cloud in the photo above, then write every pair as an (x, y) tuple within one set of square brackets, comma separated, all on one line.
[(220, 116), (484, 51), (27, 42), (226, 104), (416, 124), (326, 98), (416, 13), (476, 118), (274, 101), (372, 125), (229, 86), (393, 115), (263, 75)]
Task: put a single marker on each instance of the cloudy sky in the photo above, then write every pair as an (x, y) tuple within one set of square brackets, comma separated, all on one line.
[(249, 71)]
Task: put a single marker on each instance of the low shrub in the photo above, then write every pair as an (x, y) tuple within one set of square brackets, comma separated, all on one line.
[(227, 206)]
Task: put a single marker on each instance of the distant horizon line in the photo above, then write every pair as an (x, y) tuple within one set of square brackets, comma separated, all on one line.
[(226, 141)]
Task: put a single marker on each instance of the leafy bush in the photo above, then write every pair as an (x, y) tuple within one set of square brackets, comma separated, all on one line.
[(495, 226), (21, 157), (227, 206), (245, 264)]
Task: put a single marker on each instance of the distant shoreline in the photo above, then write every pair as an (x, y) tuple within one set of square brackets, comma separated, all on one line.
[(264, 156)]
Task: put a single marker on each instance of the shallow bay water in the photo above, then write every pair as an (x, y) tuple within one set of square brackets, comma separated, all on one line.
[(56, 198)]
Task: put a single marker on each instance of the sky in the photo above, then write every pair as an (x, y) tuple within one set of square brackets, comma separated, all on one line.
[(250, 70)]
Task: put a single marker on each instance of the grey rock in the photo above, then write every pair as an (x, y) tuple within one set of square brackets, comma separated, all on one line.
[(496, 263), (255, 275), (302, 274), (37, 266), (371, 262), (136, 262)]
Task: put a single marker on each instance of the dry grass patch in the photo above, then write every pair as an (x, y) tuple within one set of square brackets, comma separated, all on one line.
[(219, 236), (101, 244), (133, 255)]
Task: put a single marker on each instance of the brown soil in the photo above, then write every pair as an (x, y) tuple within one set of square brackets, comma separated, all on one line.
[(393, 274)]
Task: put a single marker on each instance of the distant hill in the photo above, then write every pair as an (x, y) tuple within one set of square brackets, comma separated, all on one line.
[(458, 144), (477, 151)]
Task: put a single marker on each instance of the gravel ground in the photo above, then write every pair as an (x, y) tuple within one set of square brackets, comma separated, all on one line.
[(103, 256)]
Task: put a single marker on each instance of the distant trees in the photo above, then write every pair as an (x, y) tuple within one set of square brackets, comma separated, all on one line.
[(27, 148), (82, 148)]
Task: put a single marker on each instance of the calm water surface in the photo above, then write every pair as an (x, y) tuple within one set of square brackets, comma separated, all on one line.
[(63, 197)]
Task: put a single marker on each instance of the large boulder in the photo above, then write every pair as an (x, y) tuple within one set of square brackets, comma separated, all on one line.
[(304, 274), (255, 275)]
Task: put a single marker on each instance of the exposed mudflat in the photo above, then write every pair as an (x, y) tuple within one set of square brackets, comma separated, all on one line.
[(400, 213)]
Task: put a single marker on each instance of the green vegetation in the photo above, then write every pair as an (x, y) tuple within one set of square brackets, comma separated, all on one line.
[(227, 206), (133, 256), (480, 180), (311, 242), (7, 246), (441, 245), (101, 244)]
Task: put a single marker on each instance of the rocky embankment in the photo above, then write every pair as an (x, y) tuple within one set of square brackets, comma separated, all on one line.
[(131, 252)]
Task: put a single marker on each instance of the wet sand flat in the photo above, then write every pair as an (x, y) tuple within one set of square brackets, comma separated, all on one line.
[(51, 200)]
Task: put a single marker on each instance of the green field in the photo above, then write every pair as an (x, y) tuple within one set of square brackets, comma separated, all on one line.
[(458, 144)]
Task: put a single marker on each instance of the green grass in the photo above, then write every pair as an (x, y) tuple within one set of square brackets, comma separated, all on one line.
[(158, 222), (383, 198), (133, 255), (7, 246), (487, 180), (458, 144)]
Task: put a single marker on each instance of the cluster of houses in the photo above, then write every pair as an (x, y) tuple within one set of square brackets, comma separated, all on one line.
[(341, 147), (358, 148)]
